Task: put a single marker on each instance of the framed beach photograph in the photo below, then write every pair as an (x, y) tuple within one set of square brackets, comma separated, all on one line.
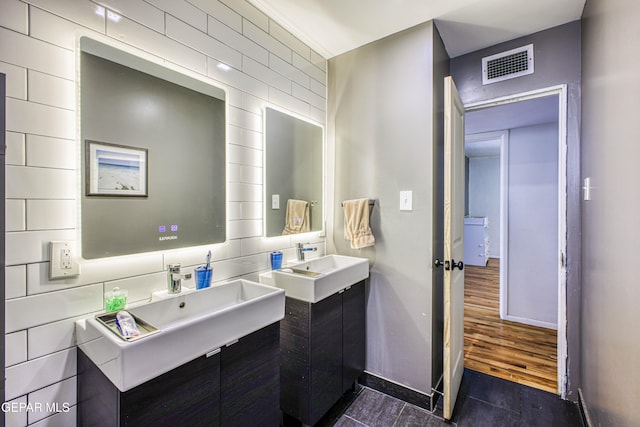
[(115, 170)]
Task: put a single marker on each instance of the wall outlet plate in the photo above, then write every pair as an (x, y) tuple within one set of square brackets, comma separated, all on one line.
[(275, 201), (62, 261)]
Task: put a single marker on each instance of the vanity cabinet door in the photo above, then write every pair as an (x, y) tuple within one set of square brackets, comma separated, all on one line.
[(326, 355), (188, 395), (250, 380), (323, 349), (98, 398), (295, 364), (238, 386), (353, 330)]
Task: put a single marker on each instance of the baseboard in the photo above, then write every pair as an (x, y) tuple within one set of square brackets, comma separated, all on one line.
[(532, 322), (398, 391), (584, 413)]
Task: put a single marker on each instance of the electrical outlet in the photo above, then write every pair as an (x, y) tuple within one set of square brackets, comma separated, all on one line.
[(62, 261), (275, 201), (65, 259)]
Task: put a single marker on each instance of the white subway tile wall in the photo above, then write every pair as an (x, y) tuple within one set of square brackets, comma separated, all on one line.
[(15, 211), (15, 142), (15, 281), (16, 348), (46, 152), (55, 398), (16, 417), (265, 65)]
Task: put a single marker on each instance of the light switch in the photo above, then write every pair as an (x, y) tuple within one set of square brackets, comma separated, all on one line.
[(406, 200), (275, 201), (586, 189)]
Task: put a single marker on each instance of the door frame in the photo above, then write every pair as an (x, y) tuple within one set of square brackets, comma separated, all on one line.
[(561, 92)]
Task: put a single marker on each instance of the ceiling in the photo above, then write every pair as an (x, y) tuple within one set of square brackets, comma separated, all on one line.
[(332, 27), (515, 115)]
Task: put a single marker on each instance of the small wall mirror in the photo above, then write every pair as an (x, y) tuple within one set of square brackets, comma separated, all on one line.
[(293, 174), (153, 155)]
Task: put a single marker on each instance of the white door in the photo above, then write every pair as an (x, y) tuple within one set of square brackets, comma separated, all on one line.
[(453, 245)]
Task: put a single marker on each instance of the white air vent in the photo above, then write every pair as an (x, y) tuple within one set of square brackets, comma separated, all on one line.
[(507, 65)]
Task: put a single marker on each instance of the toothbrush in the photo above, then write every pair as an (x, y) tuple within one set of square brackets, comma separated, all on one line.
[(208, 261)]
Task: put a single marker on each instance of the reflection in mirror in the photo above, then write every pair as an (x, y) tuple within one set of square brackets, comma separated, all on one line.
[(293, 174), (153, 155)]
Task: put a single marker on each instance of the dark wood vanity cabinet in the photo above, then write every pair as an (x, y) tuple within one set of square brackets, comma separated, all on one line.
[(250, 380), (236, 387), (322, 352), (353, 335)]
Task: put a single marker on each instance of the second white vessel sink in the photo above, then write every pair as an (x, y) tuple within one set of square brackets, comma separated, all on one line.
[(189, 326), (319, 278)]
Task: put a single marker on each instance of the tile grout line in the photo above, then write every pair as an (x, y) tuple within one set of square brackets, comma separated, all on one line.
[(354, 420), (495, 406), (399, 415)]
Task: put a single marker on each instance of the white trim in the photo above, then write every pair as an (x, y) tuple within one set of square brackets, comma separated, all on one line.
[(562, 241), (561, 92), (509, 99), (504, 222), (532, 322)]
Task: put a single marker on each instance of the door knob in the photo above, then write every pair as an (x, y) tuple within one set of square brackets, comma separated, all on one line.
[(439, 263), (459, 264)]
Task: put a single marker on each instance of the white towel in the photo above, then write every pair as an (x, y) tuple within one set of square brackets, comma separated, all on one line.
[(356, 223), (297, 217)]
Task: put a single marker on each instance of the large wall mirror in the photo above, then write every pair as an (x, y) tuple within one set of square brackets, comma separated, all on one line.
[(294, 152), (153, 155)]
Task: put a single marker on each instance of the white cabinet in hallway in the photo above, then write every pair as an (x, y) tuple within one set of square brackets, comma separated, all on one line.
[(476, 241)]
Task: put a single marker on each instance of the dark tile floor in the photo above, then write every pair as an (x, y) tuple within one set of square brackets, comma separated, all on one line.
[(483, 401)]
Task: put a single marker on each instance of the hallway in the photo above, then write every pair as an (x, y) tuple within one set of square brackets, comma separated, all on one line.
[(512, 351)]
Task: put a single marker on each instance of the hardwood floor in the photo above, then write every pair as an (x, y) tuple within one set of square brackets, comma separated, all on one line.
[(509, 350)]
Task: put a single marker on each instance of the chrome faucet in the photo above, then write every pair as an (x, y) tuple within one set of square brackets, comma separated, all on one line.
[(300, 250), (174, 278)]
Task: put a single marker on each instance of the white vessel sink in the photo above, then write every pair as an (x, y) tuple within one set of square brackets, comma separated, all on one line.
[(189, 326), (319, 278)]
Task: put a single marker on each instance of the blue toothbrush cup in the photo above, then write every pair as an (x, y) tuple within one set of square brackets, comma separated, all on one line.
[(203, 277), (276, 260)]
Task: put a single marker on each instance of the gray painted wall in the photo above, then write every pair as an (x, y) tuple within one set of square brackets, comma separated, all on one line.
[(610, 153), (533, 224), (381, 111), (557, 61)]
